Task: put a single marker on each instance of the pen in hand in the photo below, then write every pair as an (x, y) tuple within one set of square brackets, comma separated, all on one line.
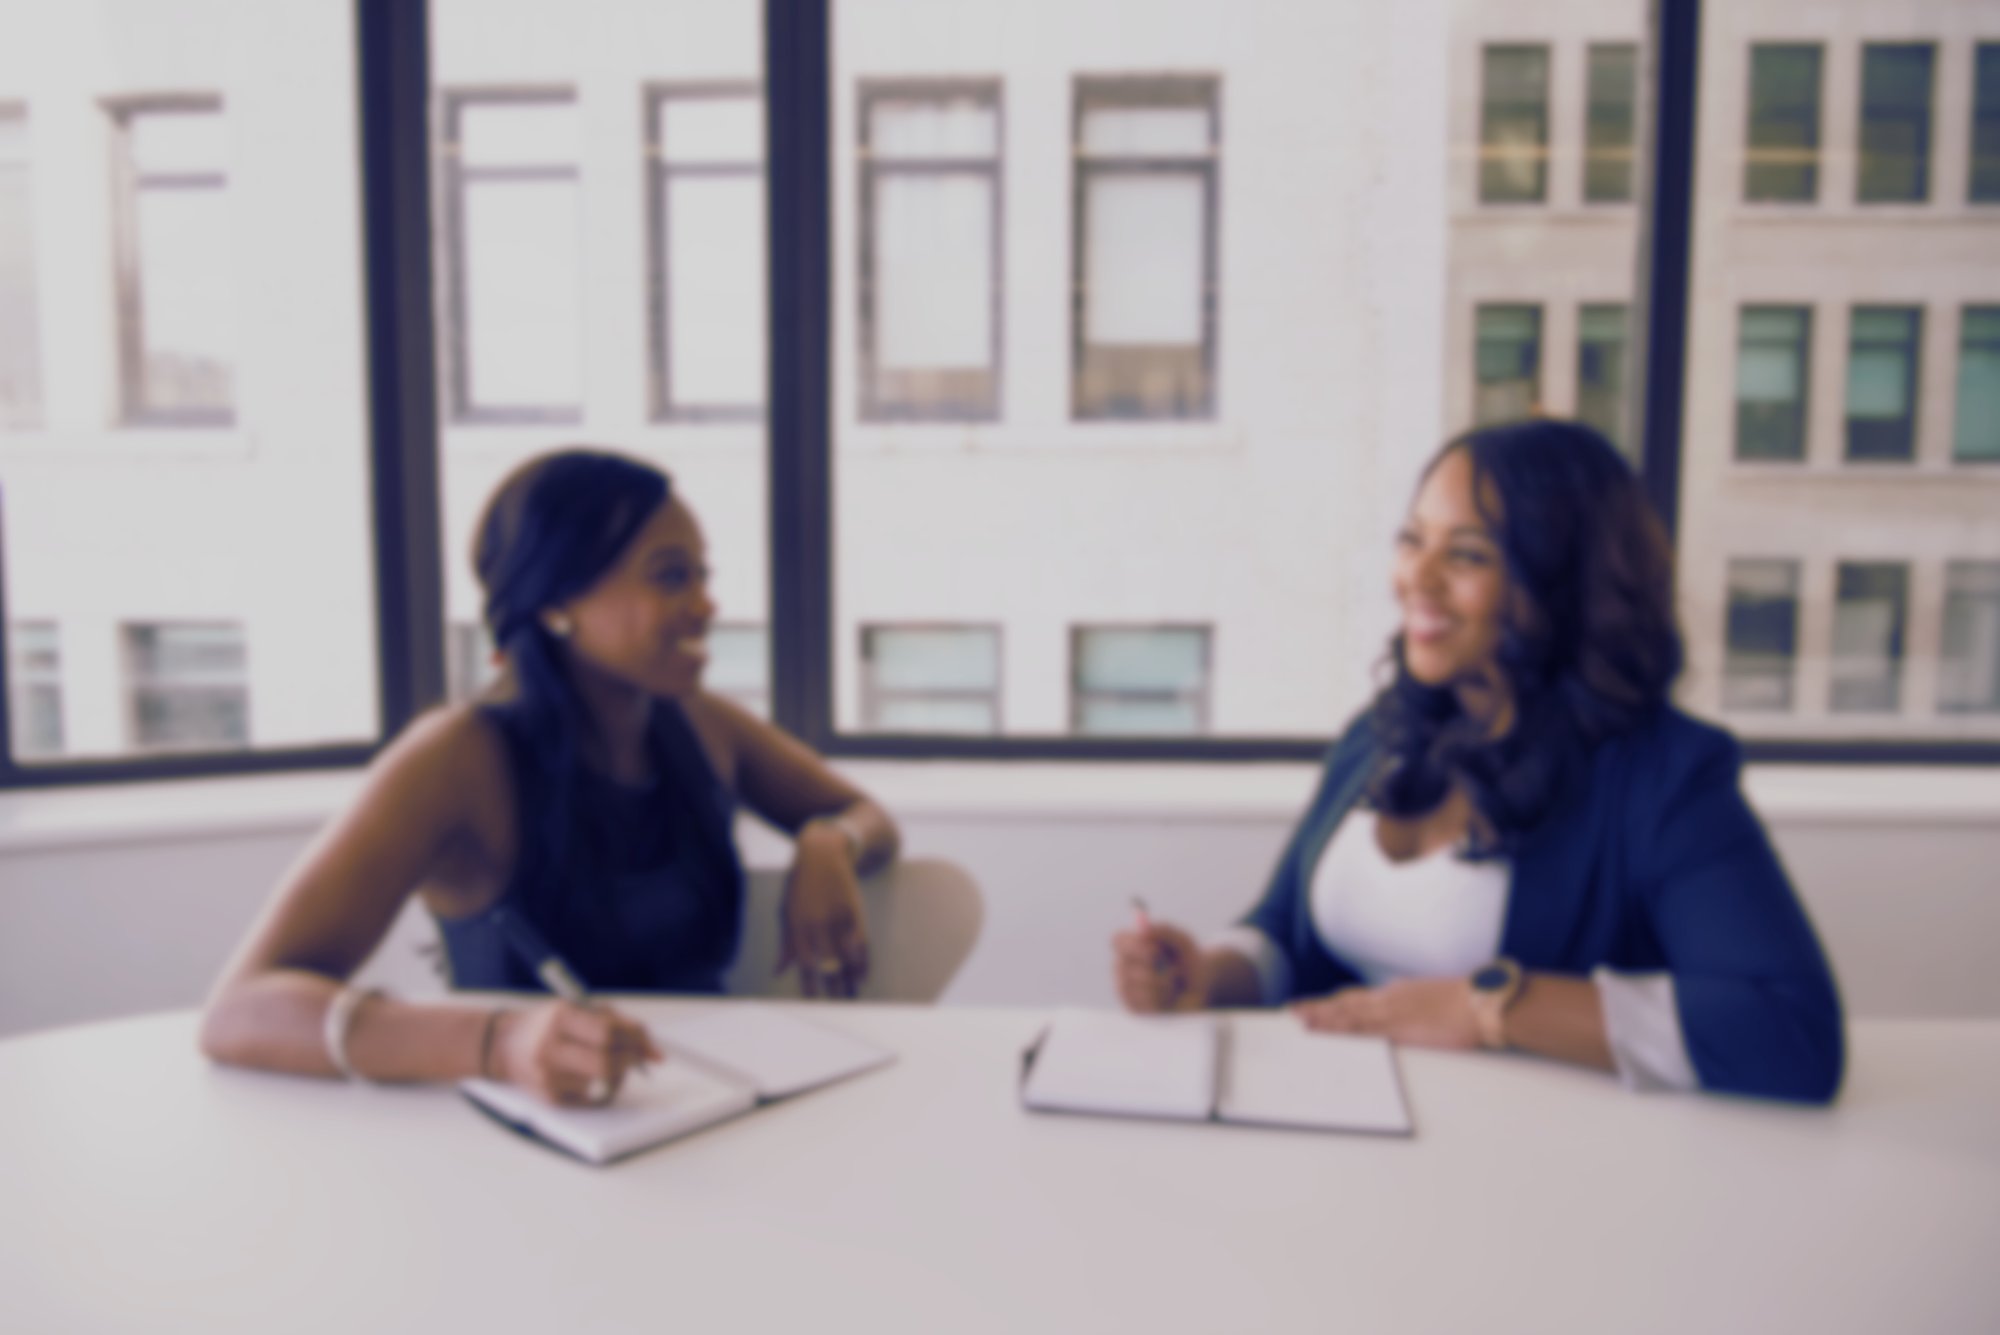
[(555, 973)]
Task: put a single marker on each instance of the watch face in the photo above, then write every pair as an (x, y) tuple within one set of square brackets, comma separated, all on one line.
[(1491, 978)]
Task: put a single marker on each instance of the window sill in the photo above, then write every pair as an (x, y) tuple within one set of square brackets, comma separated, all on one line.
[(1871, 472), (184, 810)]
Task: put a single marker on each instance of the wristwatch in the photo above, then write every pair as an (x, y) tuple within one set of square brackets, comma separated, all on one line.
[(1494, 987)]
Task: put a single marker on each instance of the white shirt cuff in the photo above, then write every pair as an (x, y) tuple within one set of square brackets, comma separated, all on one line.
[(1274, 969), (1643, 1025)]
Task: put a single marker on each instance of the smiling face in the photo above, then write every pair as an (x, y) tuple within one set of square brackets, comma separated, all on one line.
[(1450, 581), (645, 623)]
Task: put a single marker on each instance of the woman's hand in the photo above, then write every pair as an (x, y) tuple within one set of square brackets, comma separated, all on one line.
[(1159, 968), (820, 920), (1424, 1012), (568, 1053)]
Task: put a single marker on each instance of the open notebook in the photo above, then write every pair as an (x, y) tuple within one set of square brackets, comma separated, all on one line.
[(1210, 1068), (719, 1063)]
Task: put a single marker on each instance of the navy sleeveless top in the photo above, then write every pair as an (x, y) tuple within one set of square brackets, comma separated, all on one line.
[(646, 892)]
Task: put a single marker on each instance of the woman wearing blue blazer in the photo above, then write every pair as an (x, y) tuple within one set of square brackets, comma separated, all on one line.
[(1521, 843)]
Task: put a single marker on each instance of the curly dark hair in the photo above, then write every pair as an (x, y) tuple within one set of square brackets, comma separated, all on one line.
[(1588, 642)]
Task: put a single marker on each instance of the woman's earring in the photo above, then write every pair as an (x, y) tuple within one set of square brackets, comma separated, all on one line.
[(558, 624)]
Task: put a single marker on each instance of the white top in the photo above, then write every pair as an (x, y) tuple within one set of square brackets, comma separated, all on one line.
[(1442, 917), (143, 1189)]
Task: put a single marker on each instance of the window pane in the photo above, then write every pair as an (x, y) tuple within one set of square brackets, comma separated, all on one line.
[(182, 329), (188, 687), (1508, 363), (1872, 602), (1969, 673), (34, 684), (930, 291), (1978, 422), (1514, 125), (1236, 312), (1881, 384), (1600, 372), (1141, 660), (1895, 123), (1781, 159), (1771, 382), (1984, 187), (1762, 635), (20, 316), (600, 247), (1607, 163), (942, 679)]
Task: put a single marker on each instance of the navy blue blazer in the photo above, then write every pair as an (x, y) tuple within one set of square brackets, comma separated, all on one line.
[(1652, 861)]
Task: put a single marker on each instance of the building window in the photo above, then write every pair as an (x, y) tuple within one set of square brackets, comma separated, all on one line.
[(1130, 681), (1977, 437), (1600, 370), (1507, 362), (1771, 358), (1871, 607), (176, 299), (1781, 159), (705, 151), (1146, 216), (739, 665), (1514, 125), (930, 280), (514, 317), (1984, 187), (1762, 636), (20, 320), (188, 686), (1608, 125), (34, 690), (468, 660), (930, 679), (1969, 676), (1882, 383), (1895, 123)]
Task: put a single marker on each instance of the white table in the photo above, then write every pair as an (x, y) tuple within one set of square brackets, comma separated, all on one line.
[(143, 1189)]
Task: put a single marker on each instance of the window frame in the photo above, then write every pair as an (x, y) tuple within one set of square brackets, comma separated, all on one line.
[(1595, 152), (1985, 129), (1202, 697), (137, 682), (1912, 353), (1813, 126), (1926, 125), (391, 70), (660, 176), (873, 695), (452, 180), (1090, 92), (1802, 411), (980, 403), (1489, 154), (127, 183)]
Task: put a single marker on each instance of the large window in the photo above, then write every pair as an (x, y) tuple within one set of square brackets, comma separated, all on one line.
[(1771, 359), (1507, 362), (1609, 120), (1871, 606), (34, 689), (1144, 680), (1514, 125), (1984, 185), (919, 679), (512, 263), (1146, 154), (1762, 635), (1969, 673), (1600, 370), (20, 324), (177, 329), (187, 686), (931, 250), (1882, 383), (705, 146), (1976, 437), (1895, 140), (1781, 158)]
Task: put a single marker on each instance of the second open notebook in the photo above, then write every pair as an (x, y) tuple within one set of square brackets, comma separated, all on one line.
[(1261, 1070), (720, 1063)]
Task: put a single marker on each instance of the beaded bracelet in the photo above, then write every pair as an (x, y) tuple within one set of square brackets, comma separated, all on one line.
[(339, 1019)]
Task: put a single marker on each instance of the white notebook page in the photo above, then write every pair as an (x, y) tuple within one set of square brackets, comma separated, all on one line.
[(671, 1100), (778, 1054), (1130, 1065), (1283, 1074)]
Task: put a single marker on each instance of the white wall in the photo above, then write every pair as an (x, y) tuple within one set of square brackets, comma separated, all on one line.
[(108, 916)]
